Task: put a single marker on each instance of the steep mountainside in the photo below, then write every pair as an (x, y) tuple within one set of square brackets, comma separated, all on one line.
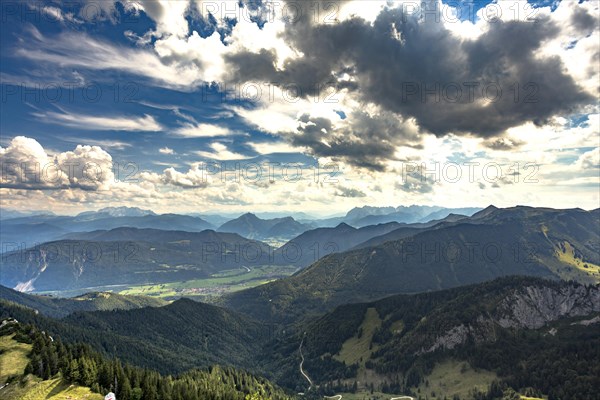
[(171, 339), (38, 366), (128, 256), (314, 244), (399, 339), (410, 230), (494, 243)]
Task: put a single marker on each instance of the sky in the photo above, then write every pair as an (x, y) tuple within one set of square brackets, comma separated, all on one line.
[(300, 106)]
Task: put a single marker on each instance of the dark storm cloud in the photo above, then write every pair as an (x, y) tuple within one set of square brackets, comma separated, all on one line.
[(417, 68), (583, 21), (366, 143), (432, 75), (248, 66)]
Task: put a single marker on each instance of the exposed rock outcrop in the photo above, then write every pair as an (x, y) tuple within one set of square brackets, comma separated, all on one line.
[(529, 308), (536, 306)]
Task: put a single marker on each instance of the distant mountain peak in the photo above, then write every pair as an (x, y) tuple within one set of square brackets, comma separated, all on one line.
[(249, 215), (344, 225), (251, 226), (358, 212), (126, 211), (486, 211), (119, 212)]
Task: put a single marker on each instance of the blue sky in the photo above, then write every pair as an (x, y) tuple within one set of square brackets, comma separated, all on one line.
[(56, 92), (167, 88)]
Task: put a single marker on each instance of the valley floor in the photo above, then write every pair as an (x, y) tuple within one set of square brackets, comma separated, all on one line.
[(218, 284)]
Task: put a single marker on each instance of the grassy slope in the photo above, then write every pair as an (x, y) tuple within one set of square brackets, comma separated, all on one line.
[(13, 360), (566, 254), (355, 349), (453, 377), (358, 350), (53, 389), (447, 378)]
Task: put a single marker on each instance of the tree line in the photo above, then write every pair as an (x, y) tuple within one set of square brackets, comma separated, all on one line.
[(80, 364)]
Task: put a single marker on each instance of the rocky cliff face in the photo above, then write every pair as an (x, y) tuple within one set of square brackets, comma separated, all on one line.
[(536, 306), (531, 307)]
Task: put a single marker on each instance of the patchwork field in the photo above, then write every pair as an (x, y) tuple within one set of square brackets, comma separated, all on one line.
[(218, 284)]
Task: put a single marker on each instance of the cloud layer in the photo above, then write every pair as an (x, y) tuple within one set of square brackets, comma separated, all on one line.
[(367, 85)]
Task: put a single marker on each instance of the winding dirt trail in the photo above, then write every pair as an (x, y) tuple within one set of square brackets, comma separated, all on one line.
[(301, 364)]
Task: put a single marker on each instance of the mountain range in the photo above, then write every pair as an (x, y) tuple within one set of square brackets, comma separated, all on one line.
[(314, 244), (147, 255), (394, 309), (368, 215), (20, 228), (252, 227), (32, 230), (125, 256), (492, 243)]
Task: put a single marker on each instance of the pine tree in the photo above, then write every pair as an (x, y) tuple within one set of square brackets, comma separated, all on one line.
[(73, 374)]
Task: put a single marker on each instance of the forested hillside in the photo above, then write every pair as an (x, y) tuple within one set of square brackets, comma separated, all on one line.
[(504, 331), (200, 335), (79, 364), (499, 334), (128, 256)]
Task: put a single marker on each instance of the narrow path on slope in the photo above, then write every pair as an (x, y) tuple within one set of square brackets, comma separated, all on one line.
[(302, 363), (337, 396)]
